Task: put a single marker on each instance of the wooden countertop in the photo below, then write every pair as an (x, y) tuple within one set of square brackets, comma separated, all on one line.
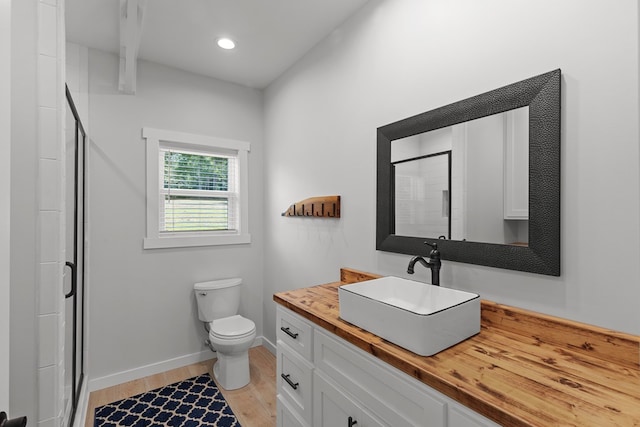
[(522, 369)]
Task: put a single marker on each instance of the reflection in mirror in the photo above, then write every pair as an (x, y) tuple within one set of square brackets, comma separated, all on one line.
[(422, 202), (478, 192), (522, 230)]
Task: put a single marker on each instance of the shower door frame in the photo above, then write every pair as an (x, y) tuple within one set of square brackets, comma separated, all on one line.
[(77, 280)]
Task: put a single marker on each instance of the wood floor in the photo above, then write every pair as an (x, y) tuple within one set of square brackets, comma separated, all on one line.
[(254, 405)]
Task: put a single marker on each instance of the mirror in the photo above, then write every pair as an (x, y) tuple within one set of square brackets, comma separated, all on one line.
[(419, 200)]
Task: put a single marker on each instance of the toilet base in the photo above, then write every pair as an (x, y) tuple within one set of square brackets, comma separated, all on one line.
[(231, 371)]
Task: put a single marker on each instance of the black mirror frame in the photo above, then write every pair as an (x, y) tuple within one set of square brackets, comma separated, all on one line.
[(542, 95)]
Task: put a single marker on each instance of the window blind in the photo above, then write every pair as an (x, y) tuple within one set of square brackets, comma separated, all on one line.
[(199, 191)]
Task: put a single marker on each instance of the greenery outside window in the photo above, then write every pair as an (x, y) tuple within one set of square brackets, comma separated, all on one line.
[(196, 190)]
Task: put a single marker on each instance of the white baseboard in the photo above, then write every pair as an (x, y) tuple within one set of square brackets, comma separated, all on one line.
[(158, 367), (145, 371), (268, 345)]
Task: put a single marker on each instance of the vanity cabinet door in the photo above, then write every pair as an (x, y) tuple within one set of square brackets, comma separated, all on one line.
[(287, 417), (334, 408)]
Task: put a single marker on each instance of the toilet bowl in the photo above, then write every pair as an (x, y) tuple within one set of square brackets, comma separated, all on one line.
[(230, 335)]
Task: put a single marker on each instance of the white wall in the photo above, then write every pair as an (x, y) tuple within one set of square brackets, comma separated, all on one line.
[(142, 309), (397, 58), (5, 193)]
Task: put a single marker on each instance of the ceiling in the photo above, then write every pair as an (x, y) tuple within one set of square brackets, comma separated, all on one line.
[(271, 35)]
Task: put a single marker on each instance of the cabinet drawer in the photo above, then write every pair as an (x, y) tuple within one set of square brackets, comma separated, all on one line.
[(296, 332), (287, 417), (391, 395), (294, 381)]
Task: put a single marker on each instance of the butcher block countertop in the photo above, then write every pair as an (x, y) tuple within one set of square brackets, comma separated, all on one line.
[(522, 369)]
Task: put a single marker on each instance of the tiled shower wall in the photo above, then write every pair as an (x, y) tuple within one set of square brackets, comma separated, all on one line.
[(50, 308)]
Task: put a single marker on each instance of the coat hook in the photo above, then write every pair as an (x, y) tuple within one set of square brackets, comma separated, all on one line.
[(319, 207)]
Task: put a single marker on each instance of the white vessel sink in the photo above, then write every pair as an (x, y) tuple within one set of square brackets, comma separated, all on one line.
[(422, 318)]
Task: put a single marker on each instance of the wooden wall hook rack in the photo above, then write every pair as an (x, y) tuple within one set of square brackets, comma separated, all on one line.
[(320, 207)]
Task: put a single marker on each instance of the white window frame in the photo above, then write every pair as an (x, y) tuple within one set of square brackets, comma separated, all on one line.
[(154, 239)]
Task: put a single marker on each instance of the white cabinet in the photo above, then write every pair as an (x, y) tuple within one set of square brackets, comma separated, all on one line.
[(324, 381), (516, 164), (294, 370)]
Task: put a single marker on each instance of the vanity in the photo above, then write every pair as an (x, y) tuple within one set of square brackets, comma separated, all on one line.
[(522, 369)]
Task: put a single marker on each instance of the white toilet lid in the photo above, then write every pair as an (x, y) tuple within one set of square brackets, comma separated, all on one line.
[(232, 327)]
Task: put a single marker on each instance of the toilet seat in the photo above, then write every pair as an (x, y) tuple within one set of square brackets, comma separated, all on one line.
[(232, 327)]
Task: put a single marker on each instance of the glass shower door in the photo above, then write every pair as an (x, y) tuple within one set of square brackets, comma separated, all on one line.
[(74, 268)]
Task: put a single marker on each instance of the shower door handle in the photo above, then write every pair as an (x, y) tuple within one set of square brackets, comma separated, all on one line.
[(74, 281)]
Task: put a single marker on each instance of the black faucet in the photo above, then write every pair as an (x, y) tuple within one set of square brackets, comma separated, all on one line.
[(433, 263)]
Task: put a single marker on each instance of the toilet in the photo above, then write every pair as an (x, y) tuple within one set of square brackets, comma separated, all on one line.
[(230, 335)]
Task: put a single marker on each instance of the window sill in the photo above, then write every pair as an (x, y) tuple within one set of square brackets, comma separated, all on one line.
[(191, 241)]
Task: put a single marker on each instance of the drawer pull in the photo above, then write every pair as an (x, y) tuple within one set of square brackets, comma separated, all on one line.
[(291, 383), (352, 422), (288, 332)]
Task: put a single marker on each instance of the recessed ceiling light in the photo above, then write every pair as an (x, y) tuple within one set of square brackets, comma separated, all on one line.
[(226, 43)]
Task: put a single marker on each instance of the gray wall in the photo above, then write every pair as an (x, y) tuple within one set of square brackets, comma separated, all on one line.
[(142, 309), (398, 58)]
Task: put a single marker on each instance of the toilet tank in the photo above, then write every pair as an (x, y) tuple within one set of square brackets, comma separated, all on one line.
[(217, 298)]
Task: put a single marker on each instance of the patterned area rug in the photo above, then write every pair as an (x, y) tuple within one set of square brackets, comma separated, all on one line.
[(189, 403)]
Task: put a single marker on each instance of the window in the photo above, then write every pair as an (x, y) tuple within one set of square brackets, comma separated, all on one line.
[(196, 190), (199, 191)]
